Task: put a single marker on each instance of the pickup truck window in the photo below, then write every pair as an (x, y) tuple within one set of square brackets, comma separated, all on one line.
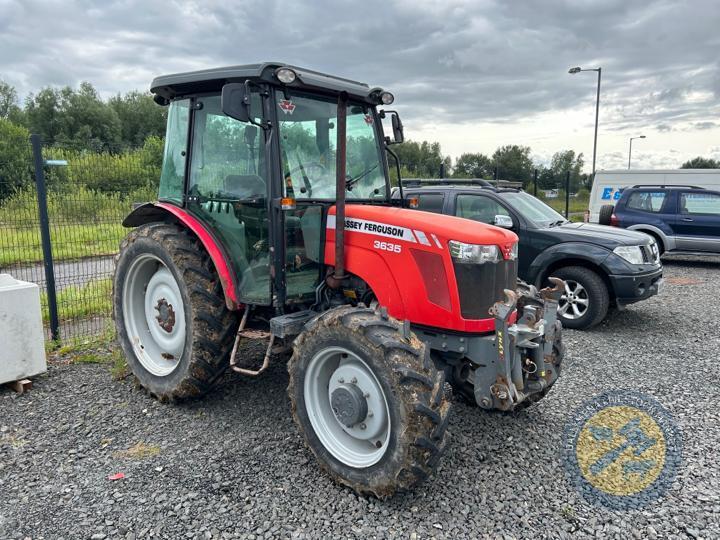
[(479, 208), (646, 201), (700, 203), (431, 202)]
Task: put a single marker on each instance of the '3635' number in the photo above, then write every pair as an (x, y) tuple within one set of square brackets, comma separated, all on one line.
[(387, 246)]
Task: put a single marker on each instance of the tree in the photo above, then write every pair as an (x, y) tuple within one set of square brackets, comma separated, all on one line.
[(566, 161), (513, 163), (701, 163), (471, 165), (78, 117), (421, 160), (9, 109), (15, 159), (140, 117)]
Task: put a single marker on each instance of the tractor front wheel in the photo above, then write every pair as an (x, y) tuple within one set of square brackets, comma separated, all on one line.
[(170, 313), (368, 400)]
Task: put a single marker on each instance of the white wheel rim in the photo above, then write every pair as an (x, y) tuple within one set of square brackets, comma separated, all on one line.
[(364, 443), (575, 300), (154, 315)]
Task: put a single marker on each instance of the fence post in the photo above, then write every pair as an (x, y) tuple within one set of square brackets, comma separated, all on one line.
[(567, 195), (535, 183), (45, 236)]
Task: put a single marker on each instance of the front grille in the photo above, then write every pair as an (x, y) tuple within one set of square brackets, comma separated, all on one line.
[(481, 285)]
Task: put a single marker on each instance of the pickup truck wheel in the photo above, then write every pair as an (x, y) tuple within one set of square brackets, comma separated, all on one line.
[(586, 299)]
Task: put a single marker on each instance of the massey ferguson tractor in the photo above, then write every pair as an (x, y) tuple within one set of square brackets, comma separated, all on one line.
[(274, 222)]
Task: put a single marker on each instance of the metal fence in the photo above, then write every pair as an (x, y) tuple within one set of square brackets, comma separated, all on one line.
[(60, 227)]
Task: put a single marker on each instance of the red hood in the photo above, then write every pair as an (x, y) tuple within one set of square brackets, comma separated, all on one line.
[(448, 227)]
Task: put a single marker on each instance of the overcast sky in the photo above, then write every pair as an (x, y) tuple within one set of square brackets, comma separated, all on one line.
[(472, 75)]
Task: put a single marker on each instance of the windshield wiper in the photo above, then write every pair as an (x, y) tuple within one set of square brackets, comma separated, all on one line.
[(350, 182), (558, 222)]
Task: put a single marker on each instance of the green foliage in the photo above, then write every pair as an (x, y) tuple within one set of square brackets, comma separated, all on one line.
[(9, 109), (77, 117), (701, 163), (471, 165), (140, 117), (513, 163), (15, 158), (421, 160)]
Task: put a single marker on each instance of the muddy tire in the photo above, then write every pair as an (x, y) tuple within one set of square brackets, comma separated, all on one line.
[(170, 313), (369, 401)]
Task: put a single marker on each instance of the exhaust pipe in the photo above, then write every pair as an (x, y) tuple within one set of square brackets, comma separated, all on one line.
[(340, 181)]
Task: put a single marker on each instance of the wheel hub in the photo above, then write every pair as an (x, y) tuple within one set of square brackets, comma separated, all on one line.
[(166, 315), (348, 404)]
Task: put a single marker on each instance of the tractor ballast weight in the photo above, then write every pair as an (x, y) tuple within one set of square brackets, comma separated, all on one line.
[(255, 236)]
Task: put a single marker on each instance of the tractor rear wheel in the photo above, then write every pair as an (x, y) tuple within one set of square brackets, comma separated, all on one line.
[(368, 401), (170, 313)]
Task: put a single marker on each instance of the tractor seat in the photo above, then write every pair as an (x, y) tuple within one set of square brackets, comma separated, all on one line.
[(245, 186)]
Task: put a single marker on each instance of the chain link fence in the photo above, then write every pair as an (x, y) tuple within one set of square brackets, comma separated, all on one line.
[(60, 227)]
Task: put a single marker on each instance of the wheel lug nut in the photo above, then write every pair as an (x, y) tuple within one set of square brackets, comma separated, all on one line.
[(366, 395), (363, 426), (370, 414), (353, 380), (341, 380)]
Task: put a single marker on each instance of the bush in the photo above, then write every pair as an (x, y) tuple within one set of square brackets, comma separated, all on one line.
[(15, 158)]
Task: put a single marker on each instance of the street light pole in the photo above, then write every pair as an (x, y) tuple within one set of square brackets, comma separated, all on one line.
[(630, 151), (572, 71)]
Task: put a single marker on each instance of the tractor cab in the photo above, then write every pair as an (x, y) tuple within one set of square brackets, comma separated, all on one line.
[(256, 160)]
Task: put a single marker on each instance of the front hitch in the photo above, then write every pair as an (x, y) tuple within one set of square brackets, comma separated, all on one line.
[(528, 353)]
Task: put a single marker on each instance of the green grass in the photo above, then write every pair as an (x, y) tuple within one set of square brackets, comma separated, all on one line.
[(83, 301), (576, 204), (21, 245)]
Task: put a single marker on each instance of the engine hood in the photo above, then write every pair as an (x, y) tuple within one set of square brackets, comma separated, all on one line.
[(419, 224), (609, 237)]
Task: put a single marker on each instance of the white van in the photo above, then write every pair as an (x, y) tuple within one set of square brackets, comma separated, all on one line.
[(608, 185)]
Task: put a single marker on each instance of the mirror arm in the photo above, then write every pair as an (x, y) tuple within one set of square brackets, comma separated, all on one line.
[(265, 125), (397, 168)]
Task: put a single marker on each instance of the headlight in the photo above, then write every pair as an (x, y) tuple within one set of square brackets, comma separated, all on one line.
[(473, 253), (514, 251), (387, 98), (631, 254)]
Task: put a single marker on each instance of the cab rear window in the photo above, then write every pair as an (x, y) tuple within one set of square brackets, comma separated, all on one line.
[(646, 201)]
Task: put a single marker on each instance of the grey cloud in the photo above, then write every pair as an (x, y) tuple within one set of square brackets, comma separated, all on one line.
[(469, 62)]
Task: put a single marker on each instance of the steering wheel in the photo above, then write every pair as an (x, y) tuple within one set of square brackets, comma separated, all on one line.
[(302, 169)]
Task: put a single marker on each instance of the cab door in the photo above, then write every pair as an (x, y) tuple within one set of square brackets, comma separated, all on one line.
[(227, 188)]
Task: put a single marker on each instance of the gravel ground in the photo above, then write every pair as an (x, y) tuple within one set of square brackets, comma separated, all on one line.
[(233, 465)]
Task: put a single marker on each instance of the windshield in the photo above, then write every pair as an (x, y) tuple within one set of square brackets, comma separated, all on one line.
[(308, 138), (533, 209)]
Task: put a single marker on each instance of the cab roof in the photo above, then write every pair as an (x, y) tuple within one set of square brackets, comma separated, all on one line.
[(212, 80)]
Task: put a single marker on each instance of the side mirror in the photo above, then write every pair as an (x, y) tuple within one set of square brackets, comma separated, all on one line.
[(397, 128), (505, 222), (235, 101)]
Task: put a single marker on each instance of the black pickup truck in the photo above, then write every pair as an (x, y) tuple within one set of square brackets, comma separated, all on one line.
[(602, 266)]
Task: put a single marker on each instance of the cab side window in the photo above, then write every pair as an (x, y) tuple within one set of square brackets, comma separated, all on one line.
[(225, 155), (647, 201), (479, 208), (700, 203), (431, 202)]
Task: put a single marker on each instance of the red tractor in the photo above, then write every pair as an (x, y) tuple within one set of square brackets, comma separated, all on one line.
[(274, 221)]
